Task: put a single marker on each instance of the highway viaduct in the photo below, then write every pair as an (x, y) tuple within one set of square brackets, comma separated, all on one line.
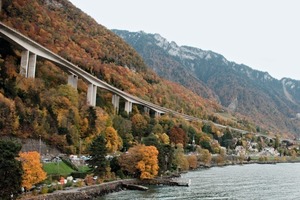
[(31, 50)]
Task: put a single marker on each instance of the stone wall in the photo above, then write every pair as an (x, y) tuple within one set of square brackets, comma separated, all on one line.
[(84, 193)]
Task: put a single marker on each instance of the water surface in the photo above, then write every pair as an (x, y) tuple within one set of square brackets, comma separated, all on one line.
[(253, 181)]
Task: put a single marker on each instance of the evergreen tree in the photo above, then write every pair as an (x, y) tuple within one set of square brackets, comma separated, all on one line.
[(98, 151), (10, 170)]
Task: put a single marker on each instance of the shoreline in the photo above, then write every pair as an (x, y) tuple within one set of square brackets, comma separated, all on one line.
[(94, 191)]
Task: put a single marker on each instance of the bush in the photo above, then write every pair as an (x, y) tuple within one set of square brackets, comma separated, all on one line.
[(44, 190), (263, 159), (68, 184)]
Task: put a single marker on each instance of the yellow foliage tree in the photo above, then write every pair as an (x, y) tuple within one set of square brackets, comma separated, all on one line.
[(141, 159), (164, 138), (113, 140), (32, 167)]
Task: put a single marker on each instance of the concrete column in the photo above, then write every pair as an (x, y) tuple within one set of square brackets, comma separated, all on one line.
[(116, 103), (73, 80), (91, 95), (157, 114), (31, 66), (24, 63), (128, 107), (28, 64), (147, 110)]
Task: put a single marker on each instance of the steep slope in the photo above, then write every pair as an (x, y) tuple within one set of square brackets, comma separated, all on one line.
[(46, 107), (269, 102), (64, 29)]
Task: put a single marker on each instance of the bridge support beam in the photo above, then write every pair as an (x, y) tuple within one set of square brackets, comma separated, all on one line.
[(116, 103), (73, 80), (24, 63), (157, 114), (28, 64), (128, 107), (31, 65), (91, 95), (146, 110)]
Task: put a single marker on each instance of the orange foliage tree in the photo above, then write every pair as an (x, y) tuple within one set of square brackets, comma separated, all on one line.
[(33, 171), (113, 140), (141, 160)]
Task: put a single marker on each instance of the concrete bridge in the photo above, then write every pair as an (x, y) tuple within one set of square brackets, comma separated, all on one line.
[(31, 50)]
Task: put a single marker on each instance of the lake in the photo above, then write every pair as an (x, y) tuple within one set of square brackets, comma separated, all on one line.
[(253, 181)]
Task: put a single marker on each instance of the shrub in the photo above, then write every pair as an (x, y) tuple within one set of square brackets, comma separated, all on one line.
[(44, 190)]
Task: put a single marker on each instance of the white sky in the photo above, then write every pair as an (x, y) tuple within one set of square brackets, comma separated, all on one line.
[(263, 34)]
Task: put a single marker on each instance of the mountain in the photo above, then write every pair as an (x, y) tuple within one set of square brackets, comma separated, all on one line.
[(46, 107), (271, 103)]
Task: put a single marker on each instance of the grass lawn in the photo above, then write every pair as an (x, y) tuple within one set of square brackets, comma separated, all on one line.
[(83, 168), (57, 168)]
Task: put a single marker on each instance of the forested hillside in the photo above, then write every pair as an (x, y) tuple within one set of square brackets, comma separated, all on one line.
[(47, 107)]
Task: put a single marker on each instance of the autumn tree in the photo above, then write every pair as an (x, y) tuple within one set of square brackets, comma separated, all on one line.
[(10, 170), (204, 157), (140, 161), (165, 150), (139, 125), (33, 169), (97, 150), (164, 138), (8, 119), (192, 160), (177, 136), (113, 140), (180, 160)]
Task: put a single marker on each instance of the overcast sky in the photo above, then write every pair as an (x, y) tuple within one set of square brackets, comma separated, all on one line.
[(263, 34)]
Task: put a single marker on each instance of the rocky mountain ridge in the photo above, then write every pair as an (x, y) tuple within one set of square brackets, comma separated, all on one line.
[(239, 88)]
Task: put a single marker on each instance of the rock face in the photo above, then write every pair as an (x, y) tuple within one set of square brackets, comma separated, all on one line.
[(272, 104)]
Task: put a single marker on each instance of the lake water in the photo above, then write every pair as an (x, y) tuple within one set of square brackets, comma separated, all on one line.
[(253, 181)]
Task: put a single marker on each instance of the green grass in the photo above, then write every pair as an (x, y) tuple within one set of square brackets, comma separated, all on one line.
[(83, 168), (57, 168)]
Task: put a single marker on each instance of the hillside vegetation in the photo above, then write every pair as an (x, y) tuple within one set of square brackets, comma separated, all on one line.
[(46, 106)]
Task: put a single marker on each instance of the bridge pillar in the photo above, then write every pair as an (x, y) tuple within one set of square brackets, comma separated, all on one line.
[(31, 66), (116, 103), (146, 110), (28, 64), (91, 95), (24, 63), (157, 114), (73, 80), (128, 107)]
